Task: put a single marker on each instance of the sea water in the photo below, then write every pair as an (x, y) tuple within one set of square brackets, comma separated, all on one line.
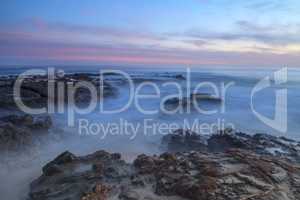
[(18, 169)]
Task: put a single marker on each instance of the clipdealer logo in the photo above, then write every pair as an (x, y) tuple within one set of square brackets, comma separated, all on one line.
[(279, 122)]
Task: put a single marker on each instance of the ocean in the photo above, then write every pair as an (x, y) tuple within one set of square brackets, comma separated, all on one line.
[(96, 130)]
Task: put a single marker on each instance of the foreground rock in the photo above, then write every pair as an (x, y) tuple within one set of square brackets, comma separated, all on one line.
[(18, 130), (235, 174)]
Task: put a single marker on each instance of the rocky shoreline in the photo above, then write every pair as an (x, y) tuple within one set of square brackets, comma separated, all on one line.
[(223, 166), (228, 165)]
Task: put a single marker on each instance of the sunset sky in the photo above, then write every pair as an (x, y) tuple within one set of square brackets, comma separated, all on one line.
[(150, 32)]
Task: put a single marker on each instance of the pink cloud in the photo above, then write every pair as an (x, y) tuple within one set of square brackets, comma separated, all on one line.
[(40, 45)]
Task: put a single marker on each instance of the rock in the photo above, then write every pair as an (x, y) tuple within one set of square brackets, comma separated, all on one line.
[(39, 122), (34, 90), (193, 100), (54, 166), (176, 101), (205, 97), (98, 167), (72, 177), (184, 140), (144, 164), (116, 156), (22, 120), (12, 137), (99, 192), (64, 158), (42, 122), (80, 76), (137, 181), (29, 97), (235, 174), (50, 170), (129, 195), (223, 142), (17, 131), (180, 77)]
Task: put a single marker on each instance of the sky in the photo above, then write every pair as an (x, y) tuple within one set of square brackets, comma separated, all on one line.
[(150, 33)]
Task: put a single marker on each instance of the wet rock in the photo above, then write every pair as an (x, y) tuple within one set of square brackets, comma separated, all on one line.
[(184, 140), (235, 174), (205, 97), (22, 120), (17, 131), (28, 97), (176, 101), (223, 142), (116, 156), (98, 167), (41, 122), (100, 192), (144, 164), (259, 143), (80, 76), (34, 90), (54, 166), (193, 100), (50, 170), (39, 87), (72, 177), (128, 194), (180, 77), (38, 122), (137, 181), (64, 158), (12, 137)]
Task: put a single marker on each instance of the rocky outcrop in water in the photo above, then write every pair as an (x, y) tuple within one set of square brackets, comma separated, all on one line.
[(194, 100), (263, 144), (18, 130), (34, 90)]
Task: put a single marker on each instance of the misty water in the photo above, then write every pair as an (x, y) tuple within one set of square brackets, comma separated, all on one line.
[(18, 169)]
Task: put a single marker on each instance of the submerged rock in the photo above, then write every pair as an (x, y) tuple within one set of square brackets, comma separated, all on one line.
[(205, 97), (193, 100)]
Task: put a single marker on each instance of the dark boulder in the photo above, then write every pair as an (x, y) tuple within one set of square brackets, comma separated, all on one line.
[(54, 166), (223, 142), (184, 140)]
